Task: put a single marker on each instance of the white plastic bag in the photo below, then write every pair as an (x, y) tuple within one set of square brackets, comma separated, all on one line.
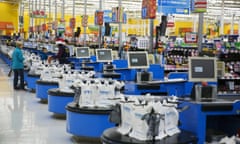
[(126, 118), (87, 97), (171, 121), (139, 126), (159, 108)]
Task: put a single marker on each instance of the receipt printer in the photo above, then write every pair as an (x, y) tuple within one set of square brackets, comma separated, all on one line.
[(200, 92), (144, 76)]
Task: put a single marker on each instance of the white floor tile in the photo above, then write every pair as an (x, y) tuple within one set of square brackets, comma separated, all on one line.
[(24, 120)]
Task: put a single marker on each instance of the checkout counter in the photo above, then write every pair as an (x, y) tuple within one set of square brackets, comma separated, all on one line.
[(31, 81), (112, 136), (219, 115), (58, 100), (88, 114), (176, 84), (87, 122), (42, 88)]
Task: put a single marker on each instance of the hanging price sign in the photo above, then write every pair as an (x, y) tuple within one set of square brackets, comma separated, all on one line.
[(84, 20)]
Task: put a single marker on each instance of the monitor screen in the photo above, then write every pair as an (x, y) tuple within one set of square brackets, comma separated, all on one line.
[(202, 69), (82, 52), (138, 60), (104, 55)]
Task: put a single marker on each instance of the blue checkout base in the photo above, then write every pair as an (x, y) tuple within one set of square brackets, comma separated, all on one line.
[(98, 67), (133, 88), (57, 101), (220, 115), (42, 88), (86, 122), (126, 73), (31, 81), (25, 73), (6, 59), (176, 89)]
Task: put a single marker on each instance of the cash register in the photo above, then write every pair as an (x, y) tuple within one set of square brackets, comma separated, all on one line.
[(201, 71), (139, 61), (83, 53), (206, 109), (105, 56)]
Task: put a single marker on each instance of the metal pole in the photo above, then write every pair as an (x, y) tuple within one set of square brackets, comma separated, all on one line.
[(36, 8), (19, 14), (151, 36), (39, 20), (63, 3), (44, 9), (49, 16), (200, 31), (55, 18), (120, 29), (32, 20), (55, 21), (195, 24), (23, 35), (232, 24), (73, 15), (63, 16), (85, 29), (222, 19), (127, 26), (239, 26), (39, 8), (23, 14), (100, 28), (29, 11), (73, 12)]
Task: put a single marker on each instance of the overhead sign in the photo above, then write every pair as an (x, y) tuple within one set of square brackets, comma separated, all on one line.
[(174, 6), (199, 6), (171, 10), (107, 16), (98, 19), (44, 27), (174, 3), (149, 9), (72, 23), (38, 14), (118, 15), (84, 20), (6, 26)]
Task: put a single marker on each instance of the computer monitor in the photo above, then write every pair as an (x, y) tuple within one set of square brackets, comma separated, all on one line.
[(104, 55), (202, 69), (138, 60), (82, 52)]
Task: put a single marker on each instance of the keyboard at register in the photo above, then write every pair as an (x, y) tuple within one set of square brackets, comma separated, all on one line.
[(165, 81)]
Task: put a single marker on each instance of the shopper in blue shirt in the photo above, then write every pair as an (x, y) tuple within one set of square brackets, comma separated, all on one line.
[(43, 54), (17, 66)]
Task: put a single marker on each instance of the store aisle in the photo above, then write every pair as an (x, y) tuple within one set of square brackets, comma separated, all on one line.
[(24, 120)]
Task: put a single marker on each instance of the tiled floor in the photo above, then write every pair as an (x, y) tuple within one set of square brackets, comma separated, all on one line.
[(24, 120)]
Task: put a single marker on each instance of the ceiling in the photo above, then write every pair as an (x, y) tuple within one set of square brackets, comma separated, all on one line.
[(133, 7)]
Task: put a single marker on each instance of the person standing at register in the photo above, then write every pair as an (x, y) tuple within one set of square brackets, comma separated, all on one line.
[(62, 53), (18, 66)]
